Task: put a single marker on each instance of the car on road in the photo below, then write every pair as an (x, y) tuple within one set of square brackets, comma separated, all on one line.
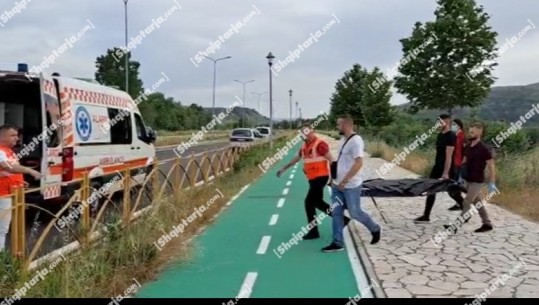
[(265, 131), (244, 136)]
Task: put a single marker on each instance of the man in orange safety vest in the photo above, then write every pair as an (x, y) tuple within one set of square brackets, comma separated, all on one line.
[(316, 159)]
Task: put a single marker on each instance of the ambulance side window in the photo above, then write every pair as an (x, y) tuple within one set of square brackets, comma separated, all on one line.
[(141, 130), (51, 135), (120, 131)]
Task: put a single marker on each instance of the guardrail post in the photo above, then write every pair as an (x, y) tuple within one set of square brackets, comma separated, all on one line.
[(155, 180), (177, 175), (85, 194), (193, 178), (127, 196), (205, 169), (18, 224)]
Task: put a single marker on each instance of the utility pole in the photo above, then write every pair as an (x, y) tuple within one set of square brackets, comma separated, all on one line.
[(214, 77), (126, 52), (243, 100), (290, 92), (270, 58), (297, 113)]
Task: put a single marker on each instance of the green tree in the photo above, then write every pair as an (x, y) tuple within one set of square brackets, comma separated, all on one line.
[(355, 95), (111, 71), (447, 63)]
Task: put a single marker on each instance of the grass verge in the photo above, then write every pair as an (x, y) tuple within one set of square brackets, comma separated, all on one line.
[(517, 176), (128, 254)]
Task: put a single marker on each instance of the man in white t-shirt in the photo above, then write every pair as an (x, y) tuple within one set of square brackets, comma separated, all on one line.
[(346, 188)]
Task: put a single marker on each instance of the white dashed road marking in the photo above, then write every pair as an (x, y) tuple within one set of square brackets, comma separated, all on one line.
[(291, 176), (285, 191), (247, 286), (273, 219), (264, 243), (288, 183), (280, 203)]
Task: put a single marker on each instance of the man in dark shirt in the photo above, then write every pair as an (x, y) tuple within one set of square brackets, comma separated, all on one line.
[(477, 157), (444, 167)]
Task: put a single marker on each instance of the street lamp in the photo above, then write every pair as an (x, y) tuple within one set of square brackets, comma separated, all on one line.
[(297, 112), (270, 58), (126, 55), (299, 116), (214, 77), (259, 95), (290, 92), (243, 100)]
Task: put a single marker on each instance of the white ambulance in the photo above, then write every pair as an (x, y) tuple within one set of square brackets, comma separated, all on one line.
[(71, 126)]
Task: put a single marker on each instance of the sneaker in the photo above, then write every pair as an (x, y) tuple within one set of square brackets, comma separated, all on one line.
[(484, 228), (376, 237), (311, 235), (422, 219), (456, 207), (333, 247)]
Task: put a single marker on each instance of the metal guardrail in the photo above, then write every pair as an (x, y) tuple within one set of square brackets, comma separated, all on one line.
[(207, 166)]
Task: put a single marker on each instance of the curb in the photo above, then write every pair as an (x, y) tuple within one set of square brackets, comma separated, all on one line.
[(374, 282)]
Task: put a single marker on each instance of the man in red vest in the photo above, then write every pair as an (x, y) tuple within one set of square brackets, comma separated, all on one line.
[(11, 175), (316, 159)]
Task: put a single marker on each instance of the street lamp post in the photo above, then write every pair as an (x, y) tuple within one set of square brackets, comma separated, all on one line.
[(259, 95), (243, 99), (300, 116), (214, 77), (290, 91), (126, 53), (297, 112), (270, 58)]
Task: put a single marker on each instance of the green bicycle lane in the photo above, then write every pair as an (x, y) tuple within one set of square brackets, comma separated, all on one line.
[(238, 254)]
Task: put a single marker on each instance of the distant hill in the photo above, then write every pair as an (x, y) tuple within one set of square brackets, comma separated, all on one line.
[(506, 103), (250, 115)]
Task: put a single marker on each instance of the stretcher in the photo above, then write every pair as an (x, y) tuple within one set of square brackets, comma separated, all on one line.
[(405, 188)]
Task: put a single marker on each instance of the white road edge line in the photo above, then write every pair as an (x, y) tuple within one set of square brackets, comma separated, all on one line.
[(273, 219), (247, 286), (280, 203), (288, 183), (238, 194), (285, 191), (361, 279), (264, 243)]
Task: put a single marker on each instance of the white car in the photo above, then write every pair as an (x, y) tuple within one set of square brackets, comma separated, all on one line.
[(244, 136), (265, 131)]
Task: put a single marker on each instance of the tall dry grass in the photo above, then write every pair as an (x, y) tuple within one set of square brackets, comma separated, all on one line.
[(109, 266)]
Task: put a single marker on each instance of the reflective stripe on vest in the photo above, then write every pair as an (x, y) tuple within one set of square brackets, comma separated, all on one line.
[(314, 165)]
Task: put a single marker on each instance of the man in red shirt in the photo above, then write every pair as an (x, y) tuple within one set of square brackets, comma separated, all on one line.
[(317, 157), (458, 128)]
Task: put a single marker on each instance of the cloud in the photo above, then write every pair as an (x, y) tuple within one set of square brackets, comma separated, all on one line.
[(367, 34)]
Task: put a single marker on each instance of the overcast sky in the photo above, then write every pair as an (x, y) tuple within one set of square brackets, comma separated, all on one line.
[(364, 32)]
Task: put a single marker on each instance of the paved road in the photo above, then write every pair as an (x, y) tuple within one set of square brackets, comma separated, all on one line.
[(56, 239), (241, 250)]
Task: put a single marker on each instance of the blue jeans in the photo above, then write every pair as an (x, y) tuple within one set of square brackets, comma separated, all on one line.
[(352, 199)]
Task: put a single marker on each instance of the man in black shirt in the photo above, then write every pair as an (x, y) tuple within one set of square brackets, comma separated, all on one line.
[(476, 159), (444, 166)]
